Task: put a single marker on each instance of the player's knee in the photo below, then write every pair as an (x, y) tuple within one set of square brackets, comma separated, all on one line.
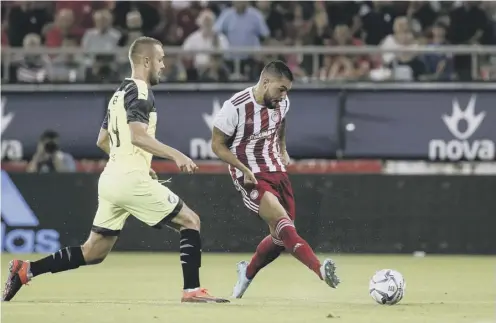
[(92, 254), (271, 210), (191, 221)]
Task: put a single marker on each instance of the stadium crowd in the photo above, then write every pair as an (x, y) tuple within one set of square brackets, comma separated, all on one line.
[(109, 25)]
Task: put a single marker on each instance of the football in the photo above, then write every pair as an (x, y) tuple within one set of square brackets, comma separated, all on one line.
[(387, 287)]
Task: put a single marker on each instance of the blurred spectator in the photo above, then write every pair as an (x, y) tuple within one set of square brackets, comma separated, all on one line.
[(134, 30), (62, 27), (67, 67), (103, 37), (396, 40), (26, 17), (324, 73), (186, 20), (300, 27), (274, 18), (32, 68), (344, 13), (377, 21), (167, 22), (422, 13), (299, 64), (347, 67), (5, 37), (468, 23), (205, 38), (49, 158), (321, 30), (439, 66), (244, 26), (216, 71), (407, 66), (467, 26), (83, 10), (150, 12), (102, 70), (276, 23), (174, 70)]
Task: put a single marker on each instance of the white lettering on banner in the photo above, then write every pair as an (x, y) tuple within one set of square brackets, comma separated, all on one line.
[(461, 148), (11, 149), (17, 213), (201, 148), (437, 168)]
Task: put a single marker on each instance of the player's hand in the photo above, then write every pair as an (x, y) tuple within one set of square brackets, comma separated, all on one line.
[(286, 160), (249, 178), (186, 165), (153, 175)]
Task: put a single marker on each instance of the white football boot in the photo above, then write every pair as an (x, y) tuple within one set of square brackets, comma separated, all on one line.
[(243, 282), (328, 272)]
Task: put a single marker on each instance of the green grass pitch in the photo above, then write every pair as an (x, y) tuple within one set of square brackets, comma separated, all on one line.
[(146, 287)]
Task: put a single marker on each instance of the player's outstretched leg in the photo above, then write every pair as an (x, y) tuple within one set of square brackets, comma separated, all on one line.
[(188, 224), (267, 251), (93, 251), (276, 217)]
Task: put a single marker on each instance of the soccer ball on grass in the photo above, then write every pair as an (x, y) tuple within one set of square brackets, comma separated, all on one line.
[(387, 287)]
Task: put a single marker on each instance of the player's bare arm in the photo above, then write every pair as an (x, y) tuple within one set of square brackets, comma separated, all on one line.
[(282, 136), (140, 138), (219, 147), (103, 141), (282, 143)]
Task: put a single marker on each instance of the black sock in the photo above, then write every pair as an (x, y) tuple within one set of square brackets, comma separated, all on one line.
[(62, 260), (190, 249)]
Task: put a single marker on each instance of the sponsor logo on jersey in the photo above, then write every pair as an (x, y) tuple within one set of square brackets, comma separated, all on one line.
[(275, 116), (462, 124), (17, 214), (262, 135), (173, 199)]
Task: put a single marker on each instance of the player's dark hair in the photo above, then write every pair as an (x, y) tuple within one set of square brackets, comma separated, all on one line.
[(278, 69), (49, 134), (141, 43)]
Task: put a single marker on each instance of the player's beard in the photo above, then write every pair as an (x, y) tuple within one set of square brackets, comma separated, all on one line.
[(154, 78), (268, 102)]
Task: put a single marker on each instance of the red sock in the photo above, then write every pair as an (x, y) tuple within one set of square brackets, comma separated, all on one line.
[(267, 251), (298, 247)]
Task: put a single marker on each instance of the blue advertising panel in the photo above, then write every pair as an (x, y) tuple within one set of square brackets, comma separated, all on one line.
[(430, 125)]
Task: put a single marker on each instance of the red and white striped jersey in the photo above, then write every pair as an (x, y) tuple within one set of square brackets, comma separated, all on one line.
[(254, 131)]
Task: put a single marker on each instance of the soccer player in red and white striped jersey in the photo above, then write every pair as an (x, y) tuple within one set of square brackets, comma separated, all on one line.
[(249, 135)]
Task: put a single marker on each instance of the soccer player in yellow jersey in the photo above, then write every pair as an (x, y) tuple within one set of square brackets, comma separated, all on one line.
[(128, 186)]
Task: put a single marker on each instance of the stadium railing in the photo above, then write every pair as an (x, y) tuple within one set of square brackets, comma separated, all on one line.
[(9, 56)]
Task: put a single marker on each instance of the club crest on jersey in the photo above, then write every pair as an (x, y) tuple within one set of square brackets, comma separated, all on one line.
[(254, 194), (173, 199), (276, 116)]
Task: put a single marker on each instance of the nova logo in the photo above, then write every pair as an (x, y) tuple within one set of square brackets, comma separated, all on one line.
[(17, 213), (461, 148), (200, 148), (12, 149)]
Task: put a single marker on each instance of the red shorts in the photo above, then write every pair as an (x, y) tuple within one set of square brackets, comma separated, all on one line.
[(277, 183)]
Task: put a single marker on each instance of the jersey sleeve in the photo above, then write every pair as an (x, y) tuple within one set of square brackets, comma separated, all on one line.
[(285, 108), (137, 105), (105, 122), (227, 119)]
